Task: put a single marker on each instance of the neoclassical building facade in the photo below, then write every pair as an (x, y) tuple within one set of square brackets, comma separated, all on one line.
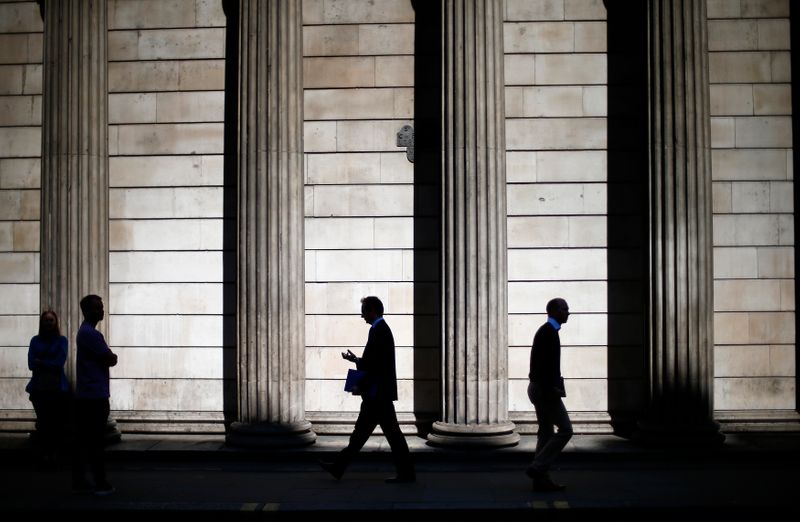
[(232, 178)]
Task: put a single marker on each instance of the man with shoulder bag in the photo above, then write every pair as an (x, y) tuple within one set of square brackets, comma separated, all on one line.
[(546, 390)]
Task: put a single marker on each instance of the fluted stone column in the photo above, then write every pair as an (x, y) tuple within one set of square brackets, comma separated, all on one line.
[(74, 189), (474, 272), (681, 269), (270, 280)]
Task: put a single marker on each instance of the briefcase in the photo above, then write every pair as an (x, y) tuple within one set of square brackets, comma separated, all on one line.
[(353, 384)]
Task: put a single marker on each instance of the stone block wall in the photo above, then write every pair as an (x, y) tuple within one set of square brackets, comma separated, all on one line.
[(751, 133), (358, 74), (166, 112), (556, 165), (170, 275), (20, 174)]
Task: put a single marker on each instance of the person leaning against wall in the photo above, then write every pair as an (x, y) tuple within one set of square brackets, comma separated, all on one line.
[(48, 387), (93, 359)]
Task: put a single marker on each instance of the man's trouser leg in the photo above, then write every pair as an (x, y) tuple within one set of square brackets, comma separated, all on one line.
[(365, 425), (550, 410), (396, 439)]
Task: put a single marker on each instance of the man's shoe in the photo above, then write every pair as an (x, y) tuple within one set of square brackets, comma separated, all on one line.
[(335, 471), (401, 479), (104, 488), (544, 483)]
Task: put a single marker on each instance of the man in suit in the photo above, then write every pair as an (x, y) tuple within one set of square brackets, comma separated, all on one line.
[(378, 390), (545, 390)]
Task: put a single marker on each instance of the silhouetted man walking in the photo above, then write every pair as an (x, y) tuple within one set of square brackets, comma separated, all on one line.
[(378, 390), (545, 390)]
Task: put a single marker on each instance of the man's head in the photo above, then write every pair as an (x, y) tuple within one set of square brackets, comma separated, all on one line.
[(558, 309), (371, 308), (92, 308)]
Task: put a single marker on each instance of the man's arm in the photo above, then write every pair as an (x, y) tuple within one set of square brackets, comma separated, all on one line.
[(553, 368), (543, 358), (98, 347), (371, 361), (366, 362)]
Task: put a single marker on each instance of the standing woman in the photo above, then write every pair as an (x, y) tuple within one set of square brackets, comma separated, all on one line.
[(49, 388)]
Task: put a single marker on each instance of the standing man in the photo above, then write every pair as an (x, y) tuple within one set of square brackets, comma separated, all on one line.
[(94, 358), (378, 390), (545, 391)]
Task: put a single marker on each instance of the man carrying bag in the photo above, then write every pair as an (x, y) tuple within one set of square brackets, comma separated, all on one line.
[(376, 382)]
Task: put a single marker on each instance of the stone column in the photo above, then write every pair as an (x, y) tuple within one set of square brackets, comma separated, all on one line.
[(680, 327), (74, 188), (474, 272), (74, 222), (270, 279)]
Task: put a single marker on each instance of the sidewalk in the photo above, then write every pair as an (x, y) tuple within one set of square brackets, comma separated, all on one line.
[(752, 477), (581, 447)]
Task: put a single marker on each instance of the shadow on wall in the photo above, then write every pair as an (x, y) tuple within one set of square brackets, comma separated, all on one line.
[(628, 201), (427, 212), (230, 205)]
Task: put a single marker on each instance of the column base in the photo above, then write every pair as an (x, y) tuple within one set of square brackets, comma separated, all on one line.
[(270, 435), (475, 436), (661, 434)]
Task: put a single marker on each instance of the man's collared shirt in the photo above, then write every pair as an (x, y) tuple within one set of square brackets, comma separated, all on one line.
[(376, 321), (555, 323)]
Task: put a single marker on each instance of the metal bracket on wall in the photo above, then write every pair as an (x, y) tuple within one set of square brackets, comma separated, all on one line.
[(405, 138)]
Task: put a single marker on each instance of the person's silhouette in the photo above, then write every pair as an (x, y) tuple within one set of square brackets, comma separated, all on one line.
[(545, 390), (48, 387), (378, 390), (91, 399)]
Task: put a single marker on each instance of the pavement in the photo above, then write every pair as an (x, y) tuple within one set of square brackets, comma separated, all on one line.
[(750, 477)]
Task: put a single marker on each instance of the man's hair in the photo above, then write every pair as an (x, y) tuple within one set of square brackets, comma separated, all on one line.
[(372, 303), (553, 304), (49, 311), (87, 302)]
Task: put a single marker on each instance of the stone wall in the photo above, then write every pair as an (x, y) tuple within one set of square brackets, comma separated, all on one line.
[(172, 299), (751, 133), (20, 168), (556, 76), (166, 111), (360, 199)]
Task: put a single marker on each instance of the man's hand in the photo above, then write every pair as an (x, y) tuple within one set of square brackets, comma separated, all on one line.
[(349, 356)]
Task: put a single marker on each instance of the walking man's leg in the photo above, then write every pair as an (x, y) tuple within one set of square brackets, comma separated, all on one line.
[(365, 425), (555, 443), (545, 420), (397, 441), (547, 449)]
